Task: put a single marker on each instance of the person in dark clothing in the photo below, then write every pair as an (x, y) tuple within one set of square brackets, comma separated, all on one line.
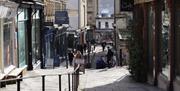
[(103, 45), (80, 48), (84, 47), (70, 56), (109, 56)]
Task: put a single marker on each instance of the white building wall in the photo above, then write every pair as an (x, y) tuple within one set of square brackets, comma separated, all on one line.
[(72, 7), (77, 11), (103, 20), (82, 13)]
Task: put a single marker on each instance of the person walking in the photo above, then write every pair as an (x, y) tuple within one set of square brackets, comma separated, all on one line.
[(70, 56), (109, 57)]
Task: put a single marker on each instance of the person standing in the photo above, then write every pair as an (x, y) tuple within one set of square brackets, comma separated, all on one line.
[(70, 56), (78, 59), (109, 57)]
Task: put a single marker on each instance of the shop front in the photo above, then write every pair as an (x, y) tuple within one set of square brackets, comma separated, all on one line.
[(8, 60), (21, 36), (30, 17), (36, 37)]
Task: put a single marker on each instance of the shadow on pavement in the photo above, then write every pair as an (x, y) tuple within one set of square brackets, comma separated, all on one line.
[(124, 83)]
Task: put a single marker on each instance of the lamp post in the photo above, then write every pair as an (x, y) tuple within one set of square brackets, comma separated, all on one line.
[(115, 42), (89, 47), (114, 31)]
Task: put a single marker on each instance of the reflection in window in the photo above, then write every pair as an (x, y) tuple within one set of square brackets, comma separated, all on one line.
[(8, 54), (165, 35), (22, 20), (35, 37)]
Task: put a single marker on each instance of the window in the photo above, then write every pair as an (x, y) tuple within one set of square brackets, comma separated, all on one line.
[(99, 24), (36, 37), (22, 22), (8, 51), (106, 25)]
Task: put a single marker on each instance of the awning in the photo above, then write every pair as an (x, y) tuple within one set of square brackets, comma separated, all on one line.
[(8, 9)]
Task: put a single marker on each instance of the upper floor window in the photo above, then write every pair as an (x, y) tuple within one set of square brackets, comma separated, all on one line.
[(106, 25), (99, 24)]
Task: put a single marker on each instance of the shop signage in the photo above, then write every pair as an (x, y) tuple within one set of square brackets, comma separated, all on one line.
[(61, 17), (48, 23), (126, 5)]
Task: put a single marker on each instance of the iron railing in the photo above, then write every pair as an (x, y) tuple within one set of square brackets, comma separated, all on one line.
[(73, 81)]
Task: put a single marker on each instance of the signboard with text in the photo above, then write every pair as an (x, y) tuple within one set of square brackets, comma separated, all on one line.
[(61, 17)]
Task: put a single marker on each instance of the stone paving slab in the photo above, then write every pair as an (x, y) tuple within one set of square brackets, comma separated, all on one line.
[(35, 84), (113, 79)]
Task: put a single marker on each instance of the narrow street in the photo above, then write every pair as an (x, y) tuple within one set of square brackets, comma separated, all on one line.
[(113, 79), (107, 79)]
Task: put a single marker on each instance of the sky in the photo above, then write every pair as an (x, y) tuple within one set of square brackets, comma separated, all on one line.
[(103, 4), (106, 4), (73, 4)]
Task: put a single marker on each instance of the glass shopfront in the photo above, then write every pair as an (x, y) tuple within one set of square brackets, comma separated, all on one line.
[(164, 40), (22, 28), (35, 37), (7, 45)]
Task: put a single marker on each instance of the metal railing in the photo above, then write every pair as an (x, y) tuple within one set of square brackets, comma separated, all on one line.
[(73, 81)]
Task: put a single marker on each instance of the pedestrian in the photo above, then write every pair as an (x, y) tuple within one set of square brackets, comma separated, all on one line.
[(103, 44), (80, 48), (109, 56), (78, 59), (70, 56)]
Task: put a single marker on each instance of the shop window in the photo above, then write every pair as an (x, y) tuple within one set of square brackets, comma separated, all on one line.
[(36, 37), (164, 43), (22, 22), (8, 53)]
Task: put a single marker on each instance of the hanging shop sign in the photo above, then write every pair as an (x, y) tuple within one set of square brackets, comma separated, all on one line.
[(61, 17)]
